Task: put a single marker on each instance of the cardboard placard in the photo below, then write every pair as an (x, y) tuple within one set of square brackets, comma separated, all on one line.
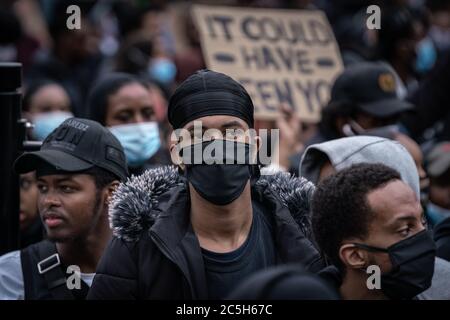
[(279, 56)]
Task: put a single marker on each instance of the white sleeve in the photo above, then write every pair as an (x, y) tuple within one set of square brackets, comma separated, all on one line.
[(11, 277)]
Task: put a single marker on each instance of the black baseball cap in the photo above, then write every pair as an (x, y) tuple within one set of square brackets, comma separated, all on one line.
[(77, 145), (372, 87), (438, 160)]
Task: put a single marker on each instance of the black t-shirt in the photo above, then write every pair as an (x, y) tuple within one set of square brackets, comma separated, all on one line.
[(224, 271)]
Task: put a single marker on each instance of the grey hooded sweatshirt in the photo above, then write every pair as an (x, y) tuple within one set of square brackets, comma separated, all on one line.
[(345, 152)]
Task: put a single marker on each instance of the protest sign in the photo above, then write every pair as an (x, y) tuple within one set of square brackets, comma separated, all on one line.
[(279, 56)]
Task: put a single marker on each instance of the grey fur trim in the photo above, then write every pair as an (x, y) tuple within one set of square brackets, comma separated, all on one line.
[(295, 193), (131, 209), (131, 206)]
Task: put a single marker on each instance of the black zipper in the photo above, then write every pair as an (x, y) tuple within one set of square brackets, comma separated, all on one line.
[(165, 250)]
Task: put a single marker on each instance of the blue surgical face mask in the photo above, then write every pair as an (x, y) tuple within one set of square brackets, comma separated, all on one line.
[(162, 70), (45, 123), (426, 55), (140, 141)]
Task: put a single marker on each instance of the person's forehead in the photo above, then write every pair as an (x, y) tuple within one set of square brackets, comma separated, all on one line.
[(76, 177), (130, 96), (28, 175), (132, 89), (50, 87), (217, 122), (50, 92), (392, 201)]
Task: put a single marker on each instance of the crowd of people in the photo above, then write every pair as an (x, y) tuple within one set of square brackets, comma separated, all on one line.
[(112, 192)]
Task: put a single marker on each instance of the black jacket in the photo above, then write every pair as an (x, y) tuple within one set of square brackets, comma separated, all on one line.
[(154, 252), (332, 276)]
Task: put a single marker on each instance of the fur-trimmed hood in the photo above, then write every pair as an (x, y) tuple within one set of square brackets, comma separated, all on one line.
[(132, 206)]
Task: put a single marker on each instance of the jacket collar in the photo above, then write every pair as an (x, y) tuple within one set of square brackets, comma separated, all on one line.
[(139, 202)]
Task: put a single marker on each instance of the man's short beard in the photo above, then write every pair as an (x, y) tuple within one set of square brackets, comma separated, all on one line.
[(94, 220)]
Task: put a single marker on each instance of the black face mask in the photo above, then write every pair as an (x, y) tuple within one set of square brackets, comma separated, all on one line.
[(220, 183), (412, 266)]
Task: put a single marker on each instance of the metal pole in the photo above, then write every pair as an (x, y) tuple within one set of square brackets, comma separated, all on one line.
[(10, 144)]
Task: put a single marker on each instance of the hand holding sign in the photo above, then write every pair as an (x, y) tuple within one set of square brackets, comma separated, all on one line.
[(290, 130)]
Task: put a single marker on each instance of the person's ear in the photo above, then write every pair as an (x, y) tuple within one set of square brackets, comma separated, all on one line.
[(175, 156), (110, 190), (257, 142), (339, 123), (353, 257), (179, 139)]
